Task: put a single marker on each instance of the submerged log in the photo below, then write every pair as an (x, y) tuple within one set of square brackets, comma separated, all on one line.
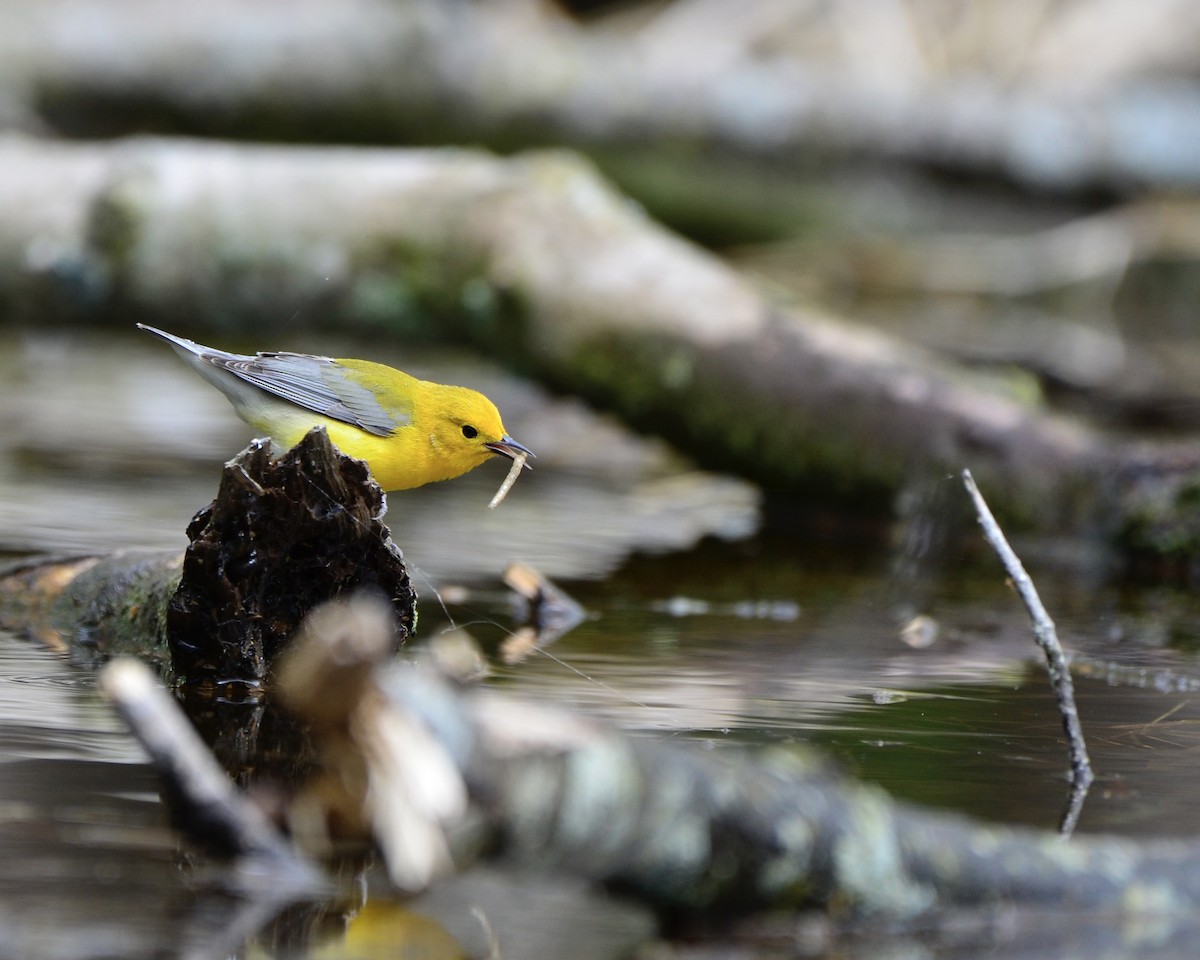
[(93, 608), (282, 537)]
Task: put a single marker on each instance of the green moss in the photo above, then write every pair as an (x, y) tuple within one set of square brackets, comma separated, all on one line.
[(118, 607), (113, 226), (681, 393), (410, 290), (470, 308)]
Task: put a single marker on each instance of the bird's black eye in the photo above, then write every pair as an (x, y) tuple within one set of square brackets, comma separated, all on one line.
[(469, 431)]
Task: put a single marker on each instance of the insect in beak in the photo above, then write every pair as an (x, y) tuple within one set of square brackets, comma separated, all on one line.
[(506, 446)]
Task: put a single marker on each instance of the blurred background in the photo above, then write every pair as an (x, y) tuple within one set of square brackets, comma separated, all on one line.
[(1008, 183), (754, 280)]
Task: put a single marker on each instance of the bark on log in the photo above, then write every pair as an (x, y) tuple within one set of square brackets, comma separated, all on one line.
[(373, 71), (281, 537), (534, 256)]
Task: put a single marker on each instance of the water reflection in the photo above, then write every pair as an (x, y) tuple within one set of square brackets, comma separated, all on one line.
[(82, 836), (968, 723)]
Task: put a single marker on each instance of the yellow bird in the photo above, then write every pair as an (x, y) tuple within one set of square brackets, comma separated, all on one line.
[(410, 432)]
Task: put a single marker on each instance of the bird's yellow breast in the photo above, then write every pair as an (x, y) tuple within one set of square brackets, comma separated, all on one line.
[(409, 458)]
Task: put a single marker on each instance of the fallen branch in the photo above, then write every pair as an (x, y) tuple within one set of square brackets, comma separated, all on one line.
[(1056, 661), (537, 258), (534, 257), (680, 828)]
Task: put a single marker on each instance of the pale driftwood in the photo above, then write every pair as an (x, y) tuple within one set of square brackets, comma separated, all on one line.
[(376, 71), (536, 257), (389, 776)]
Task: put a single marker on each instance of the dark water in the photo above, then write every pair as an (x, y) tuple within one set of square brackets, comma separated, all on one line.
[(699, 631), (778, 652), (706, 646)]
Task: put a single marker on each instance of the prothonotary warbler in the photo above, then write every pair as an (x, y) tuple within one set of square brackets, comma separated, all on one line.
[(409, 431)]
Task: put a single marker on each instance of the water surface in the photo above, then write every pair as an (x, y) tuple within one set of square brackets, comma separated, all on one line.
[(711, 622)]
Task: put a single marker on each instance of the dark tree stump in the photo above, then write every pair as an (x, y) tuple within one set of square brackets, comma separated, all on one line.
[(281, 537)]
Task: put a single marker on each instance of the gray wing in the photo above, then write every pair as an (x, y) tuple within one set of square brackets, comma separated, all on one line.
[(314, 383)]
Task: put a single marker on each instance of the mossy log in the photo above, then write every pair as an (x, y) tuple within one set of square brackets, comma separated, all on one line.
[(93, 608), (281, 537), (537, 259)]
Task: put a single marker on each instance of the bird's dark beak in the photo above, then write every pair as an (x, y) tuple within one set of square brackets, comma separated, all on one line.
[(506, 446)]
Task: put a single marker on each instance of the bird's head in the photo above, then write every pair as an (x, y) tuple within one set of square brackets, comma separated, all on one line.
[(468, 430)]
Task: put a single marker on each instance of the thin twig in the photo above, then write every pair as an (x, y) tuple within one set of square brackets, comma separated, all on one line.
[(1056, 661), (493, 943)]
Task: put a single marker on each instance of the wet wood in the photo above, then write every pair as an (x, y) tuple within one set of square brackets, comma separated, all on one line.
[(281, 537)]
